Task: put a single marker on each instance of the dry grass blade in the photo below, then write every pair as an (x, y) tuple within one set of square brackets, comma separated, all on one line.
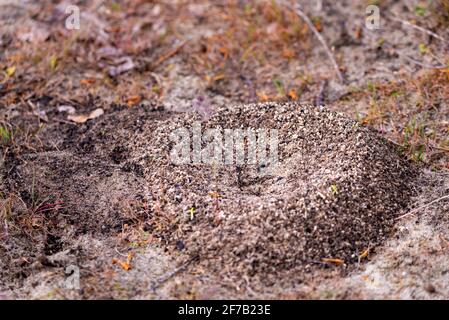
[(300, 13), (412, 212), (168, 276), (416, 27), (419, 63), (168, 55)]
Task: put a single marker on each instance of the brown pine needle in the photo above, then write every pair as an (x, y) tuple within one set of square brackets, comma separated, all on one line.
[(169, 54), (335, 261)]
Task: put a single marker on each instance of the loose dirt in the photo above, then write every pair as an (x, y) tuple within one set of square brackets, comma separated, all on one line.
[(335, 193)]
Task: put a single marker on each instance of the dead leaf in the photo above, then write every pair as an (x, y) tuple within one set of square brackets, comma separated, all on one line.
[(83, 118), (224, 51), (364, 254), (96, 113), (124, 265), (88, 81), (292, 94), (262, 96), (133, 100)]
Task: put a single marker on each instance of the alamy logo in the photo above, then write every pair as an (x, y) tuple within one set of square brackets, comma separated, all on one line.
[(372, 20), (73, 277), (73, 20), (219, 146)]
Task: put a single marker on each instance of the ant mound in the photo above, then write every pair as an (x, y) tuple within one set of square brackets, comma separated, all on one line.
[(333, 189)]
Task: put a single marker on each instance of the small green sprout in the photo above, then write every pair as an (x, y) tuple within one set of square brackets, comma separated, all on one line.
[(279, 87), (334, 189), (5, 135), (191, 212)]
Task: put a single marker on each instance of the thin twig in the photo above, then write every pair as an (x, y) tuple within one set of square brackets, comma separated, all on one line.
[(414, 26), (439, 148), (410, 59), (65, 121), (393, 142), (306, 19), (165, 278), (413, 60), (364, 254), (122, 254), (419, 63), (169, 54), (412, 212)]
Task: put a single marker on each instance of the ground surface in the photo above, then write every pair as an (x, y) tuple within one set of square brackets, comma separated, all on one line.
[(94, 193)]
